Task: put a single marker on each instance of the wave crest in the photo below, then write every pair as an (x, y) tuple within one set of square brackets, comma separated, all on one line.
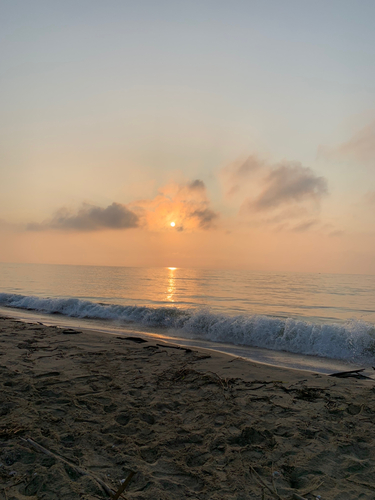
[(351, 341)]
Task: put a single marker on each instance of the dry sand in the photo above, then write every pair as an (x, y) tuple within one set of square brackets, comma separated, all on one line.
[(189, 425)]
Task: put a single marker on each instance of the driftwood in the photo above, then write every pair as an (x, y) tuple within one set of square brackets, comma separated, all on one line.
[(351, 373), (137, 340), (273, 491), (82, 472), (201, 357), (70, 331), (123, 486), (265, 485), (187, 350)]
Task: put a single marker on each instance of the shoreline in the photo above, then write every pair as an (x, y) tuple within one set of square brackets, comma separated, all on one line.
[(277, 358), (191, 423)]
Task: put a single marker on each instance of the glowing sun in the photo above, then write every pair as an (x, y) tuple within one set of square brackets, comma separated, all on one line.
[(173, 224)]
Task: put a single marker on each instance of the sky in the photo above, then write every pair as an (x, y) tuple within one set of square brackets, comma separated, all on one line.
[(250, 125)]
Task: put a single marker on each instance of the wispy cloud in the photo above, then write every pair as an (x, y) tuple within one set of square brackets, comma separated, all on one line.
[(285, 196), (239, 172), (359, 148), (369, 198), (304, 226), (90, 218), (5, 225), (266, 187), (288, 184)]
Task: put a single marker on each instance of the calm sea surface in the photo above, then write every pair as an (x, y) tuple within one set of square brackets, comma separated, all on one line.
[(324, 315), (314, 297)]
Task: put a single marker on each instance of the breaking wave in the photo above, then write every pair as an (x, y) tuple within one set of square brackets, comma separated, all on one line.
[(350, 341)]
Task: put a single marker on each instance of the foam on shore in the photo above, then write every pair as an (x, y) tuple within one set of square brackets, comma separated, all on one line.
[(352, 341)]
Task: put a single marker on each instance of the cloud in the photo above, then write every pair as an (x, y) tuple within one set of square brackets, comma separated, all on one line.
[(265, 187), (241, 171), (276, 196), (185, 204), (6, 225), (205, 217), (336, 233), (282, 196), (369, 198), (304, 226), (196, 185), (90, 218), (360, 147), (288, 184)]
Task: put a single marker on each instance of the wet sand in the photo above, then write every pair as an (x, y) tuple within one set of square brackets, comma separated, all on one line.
[(190, 423)]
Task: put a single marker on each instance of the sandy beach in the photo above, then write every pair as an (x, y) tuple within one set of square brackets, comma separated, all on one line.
[(190, 423)]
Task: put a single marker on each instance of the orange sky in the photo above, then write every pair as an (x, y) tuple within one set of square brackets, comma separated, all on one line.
[(253, 249)]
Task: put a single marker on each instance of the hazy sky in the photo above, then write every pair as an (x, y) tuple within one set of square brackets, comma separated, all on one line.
[(250, 124)]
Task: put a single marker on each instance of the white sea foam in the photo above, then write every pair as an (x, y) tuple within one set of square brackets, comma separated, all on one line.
[(351, 341)]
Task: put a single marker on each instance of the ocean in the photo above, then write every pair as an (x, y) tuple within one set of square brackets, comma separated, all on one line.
[(319, 322)]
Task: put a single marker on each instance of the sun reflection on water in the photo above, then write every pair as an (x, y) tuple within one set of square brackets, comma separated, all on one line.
[(171, 284)]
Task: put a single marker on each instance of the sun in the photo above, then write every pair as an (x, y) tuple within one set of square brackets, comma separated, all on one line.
[(173, 224)]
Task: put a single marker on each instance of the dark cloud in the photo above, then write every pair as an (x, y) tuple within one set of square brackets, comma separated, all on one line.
[(205, 217), (90, 218), (286, 184), (197, 185)]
